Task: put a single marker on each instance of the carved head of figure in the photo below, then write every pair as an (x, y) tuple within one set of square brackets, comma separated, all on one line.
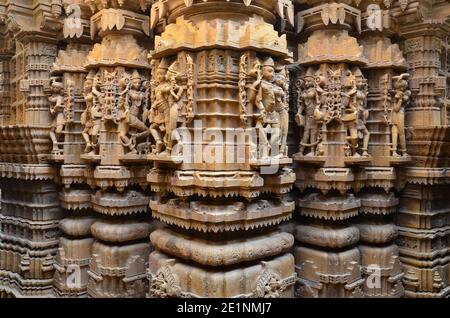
[(362, 85), (319, 79), (268, 69), (136, 80), (88, 85), (161, 75), (173, 80), (161, 71), (401, 81), (173, 73), (309, 81), (123, 82), (89, 82), (280, 80), (56, 87), (97, 81), (349, 79)]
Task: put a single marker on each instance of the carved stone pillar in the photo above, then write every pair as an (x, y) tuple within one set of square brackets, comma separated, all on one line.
[(384, 175), (6, 52), (66, 96), (423, 218), (220, 192), (332, 117), (30, 211), (116, 95)]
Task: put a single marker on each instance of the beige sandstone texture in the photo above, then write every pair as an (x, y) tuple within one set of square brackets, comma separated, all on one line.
[(224, 148)]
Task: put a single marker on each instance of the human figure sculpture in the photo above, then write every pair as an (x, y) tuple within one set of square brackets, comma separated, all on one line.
[(167, 112), (350, 113), (261, 93), (401, 99), (321, 93), (133, 97), (160, 109), (363, 114), (282, 107), (305, 116), (91, 117), (57, 111), (175, 113)]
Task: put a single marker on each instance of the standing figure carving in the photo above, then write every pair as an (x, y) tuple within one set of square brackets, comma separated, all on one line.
[(167, 108), (133, 98), (363, 114), (401, 99), (305, 116), (262, 94), (176, 113), (282, 107), (160, 106), (350, 111), (57, 111), (91, 117)]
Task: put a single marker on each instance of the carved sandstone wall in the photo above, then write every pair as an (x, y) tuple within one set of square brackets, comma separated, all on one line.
[(224, 148)]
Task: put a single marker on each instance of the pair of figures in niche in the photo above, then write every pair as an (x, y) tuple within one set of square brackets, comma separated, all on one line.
[(143, 109), (328, 94), (140, 108), (117, 97), (170, 105), (267, 93), (338, 93), (323, 96)]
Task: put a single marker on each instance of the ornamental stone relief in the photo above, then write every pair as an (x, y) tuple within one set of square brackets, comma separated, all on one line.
[(211, 148)]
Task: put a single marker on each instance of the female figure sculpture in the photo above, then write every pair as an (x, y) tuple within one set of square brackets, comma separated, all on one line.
[(401, 99), (91, 117), (57, 111)]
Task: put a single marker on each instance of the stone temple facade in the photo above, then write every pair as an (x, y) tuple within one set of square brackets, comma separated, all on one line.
[(224, 148)]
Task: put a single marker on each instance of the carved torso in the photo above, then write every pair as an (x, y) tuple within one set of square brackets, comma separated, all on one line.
[(161, 105), (136, 101), (57, 100), (280, 99), (309, 96)]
